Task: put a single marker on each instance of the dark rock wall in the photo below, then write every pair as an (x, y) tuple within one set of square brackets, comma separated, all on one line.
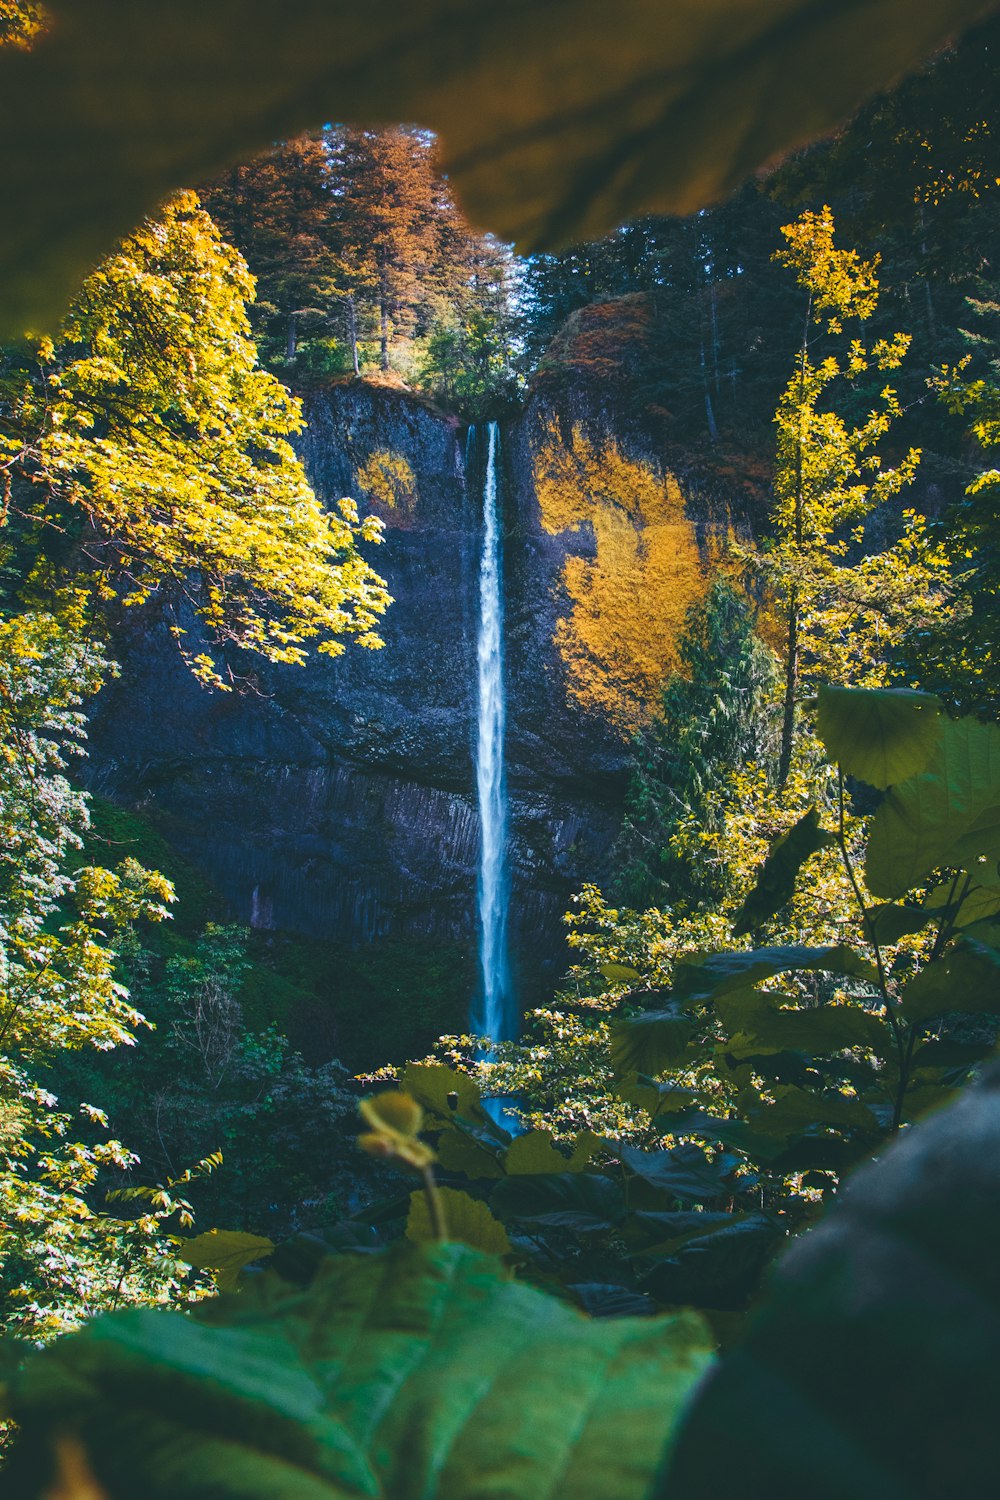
[(337, 799)]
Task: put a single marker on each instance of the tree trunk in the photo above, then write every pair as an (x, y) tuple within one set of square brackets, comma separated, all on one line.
[(292, 341), (383, 315), (791, 692), (352, 333)]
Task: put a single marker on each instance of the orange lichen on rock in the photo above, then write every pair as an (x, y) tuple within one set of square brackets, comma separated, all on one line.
[(629, 601), (389, 485)]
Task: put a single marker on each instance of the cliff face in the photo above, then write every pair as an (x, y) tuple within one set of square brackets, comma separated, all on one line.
[(337, 799)]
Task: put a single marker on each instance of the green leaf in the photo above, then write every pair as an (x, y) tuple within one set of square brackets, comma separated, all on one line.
[(795, 1111), (646, 1093), (977, 905), (869, 1366), (686, 1172), (534, 1152), (423, 1371), (556, 125), (887, 924), (966, 978), (620, 973), (226, 1252), (777, 875), (469, 1222), (650, 1042), (720, 1267), (878, 735), (168, 1408), (447, 1093), (758, 1024), (947, 816), (584, 1201), (700, 979), (458, 1151)]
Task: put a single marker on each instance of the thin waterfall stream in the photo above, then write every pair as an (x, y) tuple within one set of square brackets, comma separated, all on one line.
[(494, 1012)]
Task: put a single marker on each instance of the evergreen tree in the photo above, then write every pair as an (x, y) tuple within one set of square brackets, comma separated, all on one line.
[(713, 715), (278, 212)]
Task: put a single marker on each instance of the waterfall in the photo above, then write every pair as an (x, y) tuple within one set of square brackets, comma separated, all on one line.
[(495, 1013)]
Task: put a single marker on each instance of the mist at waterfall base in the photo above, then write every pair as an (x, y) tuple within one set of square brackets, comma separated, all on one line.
[(495, 1013)]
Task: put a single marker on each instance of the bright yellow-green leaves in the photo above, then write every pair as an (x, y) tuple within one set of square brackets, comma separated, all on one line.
[(840, 284), (152, 416)]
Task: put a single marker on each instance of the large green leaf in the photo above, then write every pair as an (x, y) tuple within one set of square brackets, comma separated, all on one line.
[(650, 1042), (425, 1372), (776, 878), (226, 1252), (802, 1111), (869, 1369), (948, 815), (173, 1410), (559, 118), (758, 1024), (686, 1172), (584, 1201), (468, 1219), (966, 978), (717, 973), (878, 735)]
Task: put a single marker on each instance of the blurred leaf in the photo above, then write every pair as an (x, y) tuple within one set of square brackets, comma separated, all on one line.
[(424, 1371), (869, 1366), (878, 735), (469, 1222), (949, 815), (534, 1152), (966, 978), (559, 120), (459, 1152), (777, 875), (226, 1252), (650, 1042), (168, 1408), (584, 1201)]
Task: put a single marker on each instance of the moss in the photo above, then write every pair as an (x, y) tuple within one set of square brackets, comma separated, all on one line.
[(383, 1003), (118, 833), (629, 602)]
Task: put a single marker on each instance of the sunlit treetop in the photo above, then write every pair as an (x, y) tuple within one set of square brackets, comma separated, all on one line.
[(150, 421), (839, 282), (21, 22)]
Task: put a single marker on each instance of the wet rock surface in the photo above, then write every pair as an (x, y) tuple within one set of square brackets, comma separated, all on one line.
[(338, 799)]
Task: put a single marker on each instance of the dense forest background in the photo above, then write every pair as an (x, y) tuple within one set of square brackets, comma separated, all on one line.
[(824, 344)]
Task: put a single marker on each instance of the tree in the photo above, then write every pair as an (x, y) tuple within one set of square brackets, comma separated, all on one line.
[(61, 1258), (278, 211), (150, 433), (838, 613), (712, 716)]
